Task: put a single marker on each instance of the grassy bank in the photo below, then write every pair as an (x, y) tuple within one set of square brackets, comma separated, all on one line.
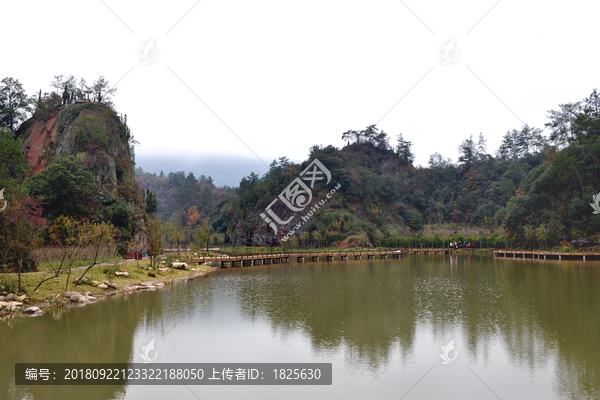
[(49, 289)]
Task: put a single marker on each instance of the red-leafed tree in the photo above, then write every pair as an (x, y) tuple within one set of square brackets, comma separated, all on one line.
[(22, 230)]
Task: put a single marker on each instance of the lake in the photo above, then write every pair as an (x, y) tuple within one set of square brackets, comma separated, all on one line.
[(522, 329)]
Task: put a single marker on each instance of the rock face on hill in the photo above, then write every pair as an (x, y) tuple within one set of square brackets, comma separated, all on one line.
[(91, 132), (96, 138)]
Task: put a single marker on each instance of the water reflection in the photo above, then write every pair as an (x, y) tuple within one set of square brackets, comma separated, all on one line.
[(542, 313), (512, 319)]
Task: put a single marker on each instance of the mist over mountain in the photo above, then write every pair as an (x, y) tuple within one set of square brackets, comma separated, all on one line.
[(224, 171)]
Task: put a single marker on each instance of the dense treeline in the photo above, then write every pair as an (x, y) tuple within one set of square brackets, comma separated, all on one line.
[(177, 193), (553, 204), (384, 197), (534, 191)]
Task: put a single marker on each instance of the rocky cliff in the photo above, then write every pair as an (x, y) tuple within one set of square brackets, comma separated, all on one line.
[(96, 138), (91, 132)]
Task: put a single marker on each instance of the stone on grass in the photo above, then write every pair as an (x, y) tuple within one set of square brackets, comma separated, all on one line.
[(23, 298), (94, 283), (102, 286), (179, 265)]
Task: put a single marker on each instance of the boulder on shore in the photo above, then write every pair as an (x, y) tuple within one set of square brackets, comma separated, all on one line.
[(123, 274), (180, 265), (23, 298), (10, 306)]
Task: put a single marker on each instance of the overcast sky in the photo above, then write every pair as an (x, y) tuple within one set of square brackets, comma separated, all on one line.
[(266, 79)]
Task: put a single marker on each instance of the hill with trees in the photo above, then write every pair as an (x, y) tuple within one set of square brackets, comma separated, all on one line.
[(534, 191), (69, 162)]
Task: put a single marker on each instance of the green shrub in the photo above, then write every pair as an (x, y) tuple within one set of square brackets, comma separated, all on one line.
[(67, 116)]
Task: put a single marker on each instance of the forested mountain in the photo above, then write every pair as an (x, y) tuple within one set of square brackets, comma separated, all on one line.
[(177, 193), (535, 190), (553, 203)]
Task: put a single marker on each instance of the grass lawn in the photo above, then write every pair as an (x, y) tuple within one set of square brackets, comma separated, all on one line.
[(101, 273)]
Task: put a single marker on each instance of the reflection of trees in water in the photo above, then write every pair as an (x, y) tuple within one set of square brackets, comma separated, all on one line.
[(558, 305), (335, 304), (543, 316), (539, 314), (102, 332)]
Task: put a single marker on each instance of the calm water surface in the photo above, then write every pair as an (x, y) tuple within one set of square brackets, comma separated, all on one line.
[(523, 329)]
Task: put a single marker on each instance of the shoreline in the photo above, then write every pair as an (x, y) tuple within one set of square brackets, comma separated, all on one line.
[(91, 294), (73, 297)]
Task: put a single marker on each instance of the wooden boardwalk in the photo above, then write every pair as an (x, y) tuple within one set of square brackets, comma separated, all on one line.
[(547, 255), (259, 259), (284, 257), (427, 251)]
